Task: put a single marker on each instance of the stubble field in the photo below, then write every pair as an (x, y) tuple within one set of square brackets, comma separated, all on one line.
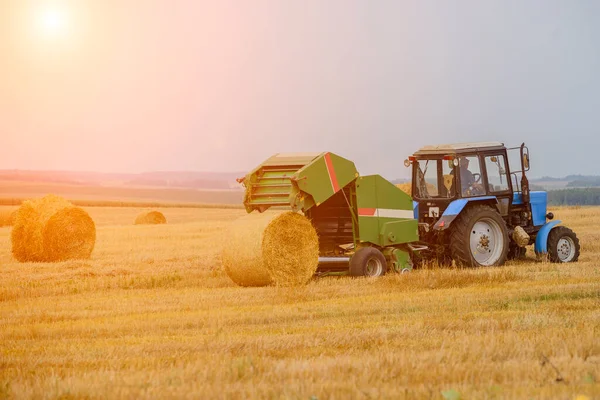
[(153, 315)]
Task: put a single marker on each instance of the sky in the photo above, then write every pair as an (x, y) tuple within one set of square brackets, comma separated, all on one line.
[(148, 85)]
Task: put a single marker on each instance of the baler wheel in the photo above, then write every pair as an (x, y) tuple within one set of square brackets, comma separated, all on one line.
[(368, 261)]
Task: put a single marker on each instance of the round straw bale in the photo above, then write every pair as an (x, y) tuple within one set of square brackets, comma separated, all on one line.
[(150, 218), (242, 250), (52, 229), (272, 248), (290, 249)]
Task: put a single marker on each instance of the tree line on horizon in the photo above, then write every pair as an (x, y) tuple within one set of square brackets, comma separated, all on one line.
[(575, 197)]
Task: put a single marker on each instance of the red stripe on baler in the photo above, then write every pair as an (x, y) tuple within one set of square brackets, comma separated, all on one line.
[(331, 171), (366, 212)]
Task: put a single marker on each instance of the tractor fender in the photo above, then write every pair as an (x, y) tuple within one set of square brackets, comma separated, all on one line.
[(455, 208), (541, 240)]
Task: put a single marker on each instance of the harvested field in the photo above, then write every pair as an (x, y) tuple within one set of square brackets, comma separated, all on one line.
[(152, 314), (7, 216), (405, 187)]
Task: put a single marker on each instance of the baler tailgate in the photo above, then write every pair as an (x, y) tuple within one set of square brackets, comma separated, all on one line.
[(298, 181), (272, 187), (270, 183)]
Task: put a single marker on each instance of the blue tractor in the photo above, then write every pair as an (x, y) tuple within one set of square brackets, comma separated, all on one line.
[(473, 205)]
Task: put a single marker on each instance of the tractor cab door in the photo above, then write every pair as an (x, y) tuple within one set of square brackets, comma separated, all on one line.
[(496, 179), (486, 174), (434, 186), (519, 165)]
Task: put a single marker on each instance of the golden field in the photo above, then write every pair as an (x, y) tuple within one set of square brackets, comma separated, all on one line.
[(153, 315)]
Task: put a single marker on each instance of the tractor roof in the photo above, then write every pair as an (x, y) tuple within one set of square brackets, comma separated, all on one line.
[(458, 148)]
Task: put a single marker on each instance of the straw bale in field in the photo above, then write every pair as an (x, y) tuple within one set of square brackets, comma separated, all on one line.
[(150, 218), (52, 229), (7, 218), (242, 250), (290, 249), (271, 248)]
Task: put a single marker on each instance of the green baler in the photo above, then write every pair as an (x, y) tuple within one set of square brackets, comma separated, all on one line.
[(365, 224)]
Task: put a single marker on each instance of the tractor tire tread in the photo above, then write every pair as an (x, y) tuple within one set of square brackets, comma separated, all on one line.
[(553, 238), (459, 245)]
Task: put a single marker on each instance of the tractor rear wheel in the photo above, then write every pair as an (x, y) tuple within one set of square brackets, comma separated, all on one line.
[(563, 245), (479, 238), (368, 261)]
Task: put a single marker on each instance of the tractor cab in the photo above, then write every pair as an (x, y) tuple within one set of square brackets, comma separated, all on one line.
[(445, 173), (471, 198)]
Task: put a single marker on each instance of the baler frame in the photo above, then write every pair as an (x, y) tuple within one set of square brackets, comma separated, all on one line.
[(349, 211)]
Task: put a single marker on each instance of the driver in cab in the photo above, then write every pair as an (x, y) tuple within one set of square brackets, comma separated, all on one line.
[(467, 179)]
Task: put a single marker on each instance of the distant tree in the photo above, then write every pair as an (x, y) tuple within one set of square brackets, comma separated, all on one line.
[(584, 182), (571, 197)]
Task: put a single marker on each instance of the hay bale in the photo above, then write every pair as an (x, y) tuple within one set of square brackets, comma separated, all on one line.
[(7, 218), (242, 250), (290, 249), (150, 218), (52, 229), (272, 248)]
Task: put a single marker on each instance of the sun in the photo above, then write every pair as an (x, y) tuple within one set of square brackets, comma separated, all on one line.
[(52, 22)]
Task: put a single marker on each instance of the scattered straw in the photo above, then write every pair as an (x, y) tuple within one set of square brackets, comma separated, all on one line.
[(150, 218), (52, 229)]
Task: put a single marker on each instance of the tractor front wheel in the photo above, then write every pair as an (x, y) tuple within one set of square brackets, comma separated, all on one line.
[(563, 245), (479, 238), (368, 261)]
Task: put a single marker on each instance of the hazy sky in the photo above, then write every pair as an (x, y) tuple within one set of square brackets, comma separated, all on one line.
[(131, 86)]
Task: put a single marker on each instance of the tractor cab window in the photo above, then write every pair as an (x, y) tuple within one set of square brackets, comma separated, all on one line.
[(448, 183), (496, 173), (427, 179), (434, 178), (470, 176)]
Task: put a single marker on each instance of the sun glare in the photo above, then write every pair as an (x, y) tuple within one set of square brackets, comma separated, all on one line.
[(52, 22)]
